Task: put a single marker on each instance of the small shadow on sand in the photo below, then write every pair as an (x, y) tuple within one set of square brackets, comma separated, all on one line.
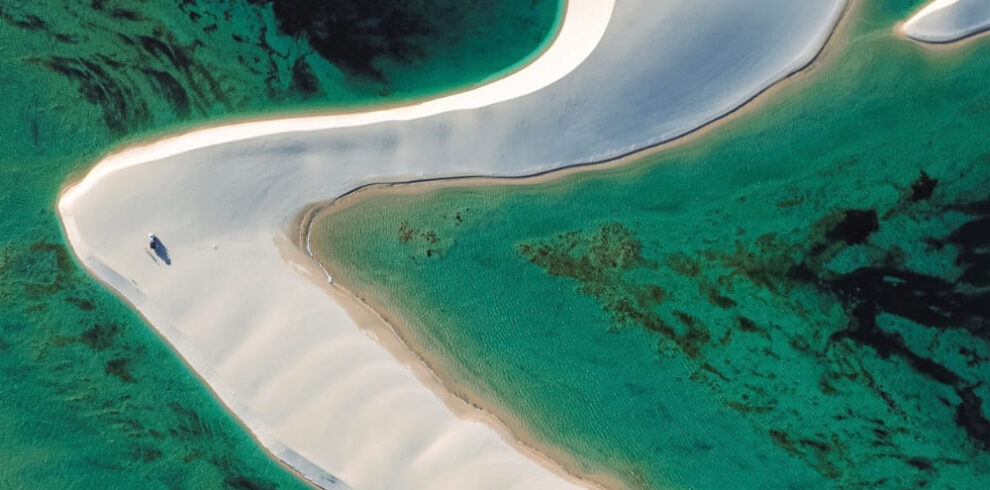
[(161, 251)]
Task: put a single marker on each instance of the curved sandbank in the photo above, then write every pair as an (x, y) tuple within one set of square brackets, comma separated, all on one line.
[(251, 313), (946, 21)]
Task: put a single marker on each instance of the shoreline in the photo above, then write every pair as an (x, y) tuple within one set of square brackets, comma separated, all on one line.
[(941, 48), (386, 324), (417, 186), (146, 148), (148, 153), (378, 326), (304, 469), (312, 481), (313, 476), (145, 141), (952, 41)]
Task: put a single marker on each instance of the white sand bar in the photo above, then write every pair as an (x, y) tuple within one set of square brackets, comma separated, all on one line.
[(945, 21), (238, 303)]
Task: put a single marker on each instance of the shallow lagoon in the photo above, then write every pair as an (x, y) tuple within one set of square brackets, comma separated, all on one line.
[(90, 396), (803, 290)]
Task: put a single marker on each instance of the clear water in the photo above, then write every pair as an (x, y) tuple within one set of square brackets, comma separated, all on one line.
[(800, 299), (90, 397)]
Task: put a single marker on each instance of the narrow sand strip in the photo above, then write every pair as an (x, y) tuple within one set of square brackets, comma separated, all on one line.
[(251, 315), (946, 21)]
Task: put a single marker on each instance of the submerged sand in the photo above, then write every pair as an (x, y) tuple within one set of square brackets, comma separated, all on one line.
[(948, 21)]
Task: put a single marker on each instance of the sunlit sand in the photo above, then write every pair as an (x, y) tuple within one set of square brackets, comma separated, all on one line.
[(943, 21)]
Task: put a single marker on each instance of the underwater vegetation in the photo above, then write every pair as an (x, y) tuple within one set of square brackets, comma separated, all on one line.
[(905, 318), (356, 35)]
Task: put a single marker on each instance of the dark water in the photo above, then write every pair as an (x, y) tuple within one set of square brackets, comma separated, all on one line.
[(89, 396), (800, 299)]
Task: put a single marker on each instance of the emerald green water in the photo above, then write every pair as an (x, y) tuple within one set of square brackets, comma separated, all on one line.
[(90, 397), (799, 299)]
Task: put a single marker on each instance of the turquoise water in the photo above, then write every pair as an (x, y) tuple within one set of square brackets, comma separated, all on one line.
[(799, 299), (90, 397)]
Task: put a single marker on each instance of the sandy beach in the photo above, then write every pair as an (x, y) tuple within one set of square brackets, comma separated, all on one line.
[(296, 365)]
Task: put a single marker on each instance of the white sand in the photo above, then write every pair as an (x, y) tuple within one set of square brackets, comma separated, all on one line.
[(944, 21), (249, 312)]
